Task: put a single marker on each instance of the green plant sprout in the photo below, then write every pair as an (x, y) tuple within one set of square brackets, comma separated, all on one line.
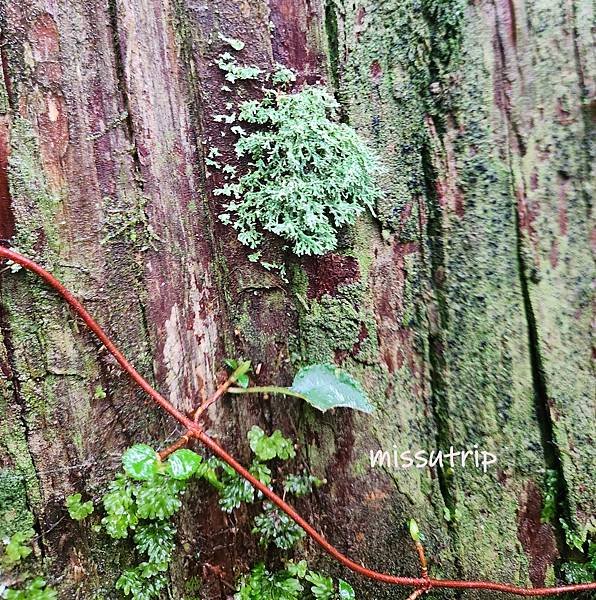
[(584, 542), (76, 509), (13, 586), (549, 502), (146, 495), (295, 582), (324, 386)]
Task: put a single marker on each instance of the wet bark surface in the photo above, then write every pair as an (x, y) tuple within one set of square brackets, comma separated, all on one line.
[(464, 306)]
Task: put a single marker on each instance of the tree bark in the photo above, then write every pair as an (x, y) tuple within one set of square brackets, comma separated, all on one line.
[(463, 306)]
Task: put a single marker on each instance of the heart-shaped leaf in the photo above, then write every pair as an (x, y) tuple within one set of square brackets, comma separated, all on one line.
[(140, 461), (327, 386), (184, 463)]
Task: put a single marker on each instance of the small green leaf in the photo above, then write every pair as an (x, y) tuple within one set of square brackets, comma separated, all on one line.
[(158, 499), (274, 526), (233, 42), (140, 461), (156, 540), (231, 363), (414, 530), (346, 591), (267, 447), (18, 547), (243, 380), (76, 509), (184, 463), (34, 590), (243, 367), (322, 588), (327, 386), (99, 393), (301, 485), (297, 569)]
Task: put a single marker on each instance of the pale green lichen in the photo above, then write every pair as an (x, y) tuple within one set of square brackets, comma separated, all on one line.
[(308, 175)]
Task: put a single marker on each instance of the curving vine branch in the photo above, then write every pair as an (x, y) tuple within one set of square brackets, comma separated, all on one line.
[(195, 431)]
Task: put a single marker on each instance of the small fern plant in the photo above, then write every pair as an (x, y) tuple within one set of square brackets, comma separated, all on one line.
[(307, 174), (144, 498)]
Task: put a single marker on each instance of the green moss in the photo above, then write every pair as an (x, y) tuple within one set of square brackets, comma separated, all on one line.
[(399, 72), (15, 514), (29, 188), (329, 325), (4, 106), (127, 218), (331, 30), (19, 485)]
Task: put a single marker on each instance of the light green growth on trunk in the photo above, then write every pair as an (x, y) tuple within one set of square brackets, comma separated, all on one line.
[(29, 188), (127, 218), (334, 324), (4, 106), (15, 514)]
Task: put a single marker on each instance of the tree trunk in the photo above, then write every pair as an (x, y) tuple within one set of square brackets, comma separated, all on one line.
[(463, 306)]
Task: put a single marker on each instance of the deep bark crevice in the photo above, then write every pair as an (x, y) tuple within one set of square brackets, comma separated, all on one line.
[(551, 452), (332, 33), (120, 70), (436, 339)]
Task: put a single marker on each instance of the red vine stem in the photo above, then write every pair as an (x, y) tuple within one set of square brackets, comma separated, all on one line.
[(194, 430)]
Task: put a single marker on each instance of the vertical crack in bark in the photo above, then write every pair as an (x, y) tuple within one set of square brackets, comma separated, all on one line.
[(7, 222), (437, 320), (123, 85), (331, 31), (588, 112), (551, 451), (123, 88), (552, 454)]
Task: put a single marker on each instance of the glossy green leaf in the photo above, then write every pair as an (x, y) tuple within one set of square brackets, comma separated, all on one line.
[(414, 530), (267, 447), (327, 386), (243, 380), (346, 591), (140, 461), (322, 586), (184, 463)]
